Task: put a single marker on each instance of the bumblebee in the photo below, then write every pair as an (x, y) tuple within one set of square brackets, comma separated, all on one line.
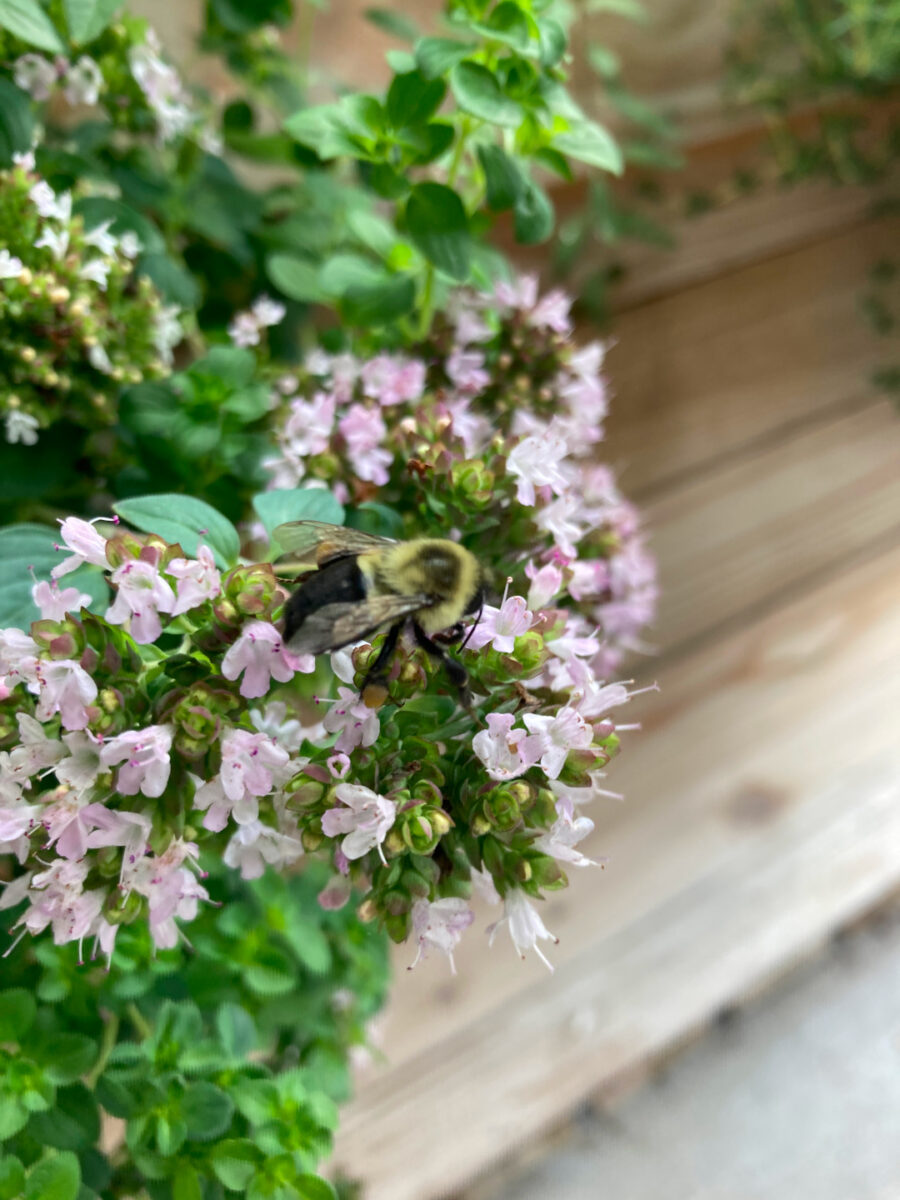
[(357, 583)]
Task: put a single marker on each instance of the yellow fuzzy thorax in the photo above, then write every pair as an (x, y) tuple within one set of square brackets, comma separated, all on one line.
[(432, 567)]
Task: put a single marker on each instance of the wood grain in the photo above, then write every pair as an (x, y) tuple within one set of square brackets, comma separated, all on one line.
[(709, 371), (749, 532), (763, 811)]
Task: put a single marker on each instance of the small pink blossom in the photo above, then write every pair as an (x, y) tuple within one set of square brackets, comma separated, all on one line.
[(363, 430), (546, 582), (80, 768), (465, 369), (275, 721), (262, 656), (268, 311), (170, 888), (392, 379), (558, 519), (535, 462), (505, 752), (141, 596), (338, 765), (472, 429), (83, 81), (64, 824), (57, 898), (35, 752), (198, 580), (562, 838), (501, 626), (255, 844), (118, 827), (252, 765), (67, 689), (244, 330), (54, 604), (18, 658), (566, 730), (525, 926), (86, 544), (146, 764), (35, 75), (439, 924), (358, 725), (308, 428), (335, 894), (17, 819), (366, 819)]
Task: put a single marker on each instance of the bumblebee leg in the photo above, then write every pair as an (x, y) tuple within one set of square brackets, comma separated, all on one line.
[(457, 673), (374, 689)]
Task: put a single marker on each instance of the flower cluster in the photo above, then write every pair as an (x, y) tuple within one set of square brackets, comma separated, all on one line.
[(76, 321), (492, 423)]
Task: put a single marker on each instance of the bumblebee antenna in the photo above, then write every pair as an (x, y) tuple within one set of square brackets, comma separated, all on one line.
[(474, 624)]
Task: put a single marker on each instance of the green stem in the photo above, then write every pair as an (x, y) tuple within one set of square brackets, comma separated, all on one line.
[(110, 1033), (427, 302), (139, 1021)]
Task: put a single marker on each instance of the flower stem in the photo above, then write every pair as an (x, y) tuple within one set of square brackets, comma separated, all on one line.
[(110, 1033), (139, 1021)]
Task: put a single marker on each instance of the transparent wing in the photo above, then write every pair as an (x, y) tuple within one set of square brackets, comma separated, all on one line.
[(317, 542), (336, 625)]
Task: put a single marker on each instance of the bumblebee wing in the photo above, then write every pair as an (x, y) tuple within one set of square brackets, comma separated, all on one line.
[(336, 625), (316, 542)]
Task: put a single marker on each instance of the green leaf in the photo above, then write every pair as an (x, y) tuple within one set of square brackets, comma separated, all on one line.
[(206, 1110), (17, 1006), (272, 974), (257, 1100), (171, 1132), (503, 177), (311, 1187), (553, 41), (54, 1178), (478, 92), (233, 364), (25, 546), (533, 216), (436, 55), (297, 504), (73, 1124), (185, 520), (309, 943), (592, 144), (376, 304), (186, 1183), (248, 404), (13, 1116), (237, 1030), (88, 18), (234, 1163), (66, 1056), (507, 23), (28, 21), (396, 24), (295, 277), (16, 122), (437, 223), (413, 98), (12, 1178)]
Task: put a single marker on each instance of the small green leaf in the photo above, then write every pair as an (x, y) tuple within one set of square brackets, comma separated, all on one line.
[(26, 546), (503, 177), (17, 1010), (297, 504), (74, 1122), (185, 520), (28, 21), (233, 364), (553, 41), (16, 122), (66, 1056), (590, 143), (436, 55), (186, 1183), (396, 24), (248, 404), (311, 1187), (176, 283), (13, 1116), (171, 1132), (257, 1100), (309, 943), (507, 23), (237, 1030), (88, 18), (295, 277), (478, 92), (206, 1111), (374, 305), (533, 216), (12, 1178), (413, 98), (437, 223), (55, 1178), (234, 1163)]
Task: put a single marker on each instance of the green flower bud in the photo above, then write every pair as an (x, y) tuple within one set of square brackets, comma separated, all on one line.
[(501, 808), (59, 639), (396, 902), (473, 482), (367, 911), (119, 911), (522, 870), (253, 590), (397, 927), (394, 843), (311, 839), (530, 652)]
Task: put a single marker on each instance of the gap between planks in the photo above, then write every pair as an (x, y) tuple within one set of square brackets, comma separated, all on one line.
[(763, 812)]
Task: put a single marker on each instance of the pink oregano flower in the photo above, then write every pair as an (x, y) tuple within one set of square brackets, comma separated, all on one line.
[(198, 580), (54, 604), (146, 764), (142, 595), (86, 544), (262, 656), (506, 752), (365, 820), (440, 925)]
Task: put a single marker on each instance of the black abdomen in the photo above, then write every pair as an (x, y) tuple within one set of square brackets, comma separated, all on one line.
[(338, 582)]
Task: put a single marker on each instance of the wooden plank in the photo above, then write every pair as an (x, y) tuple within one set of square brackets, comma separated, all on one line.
[(763, 811), (703, 373), (749, 531)]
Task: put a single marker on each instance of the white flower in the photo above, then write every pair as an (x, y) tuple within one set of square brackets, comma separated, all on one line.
[(559, 734), (56, 241), (255, 844), (82, 765), (141, 596), (147, 763), (365, 820), (558, 519), (83, 80), (21, 427), (439, 924), (274, 721), (268, 311), (130, 245), (535, 461), (167, 332), (86, 544), (505, 752), (198, 580), (560, 841), (102, 239), (244, 330), (10, 266), (525, 926), (358, 724), (95, 270), (35, 751), (546, 583), (35, 75), (99, 359), (66, 688), (501, 626), (54, 604), (48, 204)]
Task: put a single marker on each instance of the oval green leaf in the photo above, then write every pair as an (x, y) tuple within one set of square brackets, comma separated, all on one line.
[(437, 223), (478, 92), (28, 21)]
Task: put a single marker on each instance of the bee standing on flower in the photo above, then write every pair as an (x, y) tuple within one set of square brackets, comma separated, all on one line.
[(360, 583)]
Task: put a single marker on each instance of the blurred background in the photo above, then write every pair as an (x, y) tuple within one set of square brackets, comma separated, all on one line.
[(745, 272)]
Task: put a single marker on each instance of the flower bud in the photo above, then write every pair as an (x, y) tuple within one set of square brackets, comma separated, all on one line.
[(530, 652), (252, 590), (311, 839), (394, 843), (396, 902), (59, 639), (501, 808), (397, 927), (119, 911), (367, 911), (473, 481), (522, 870), (547, 873), (303, 792)]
